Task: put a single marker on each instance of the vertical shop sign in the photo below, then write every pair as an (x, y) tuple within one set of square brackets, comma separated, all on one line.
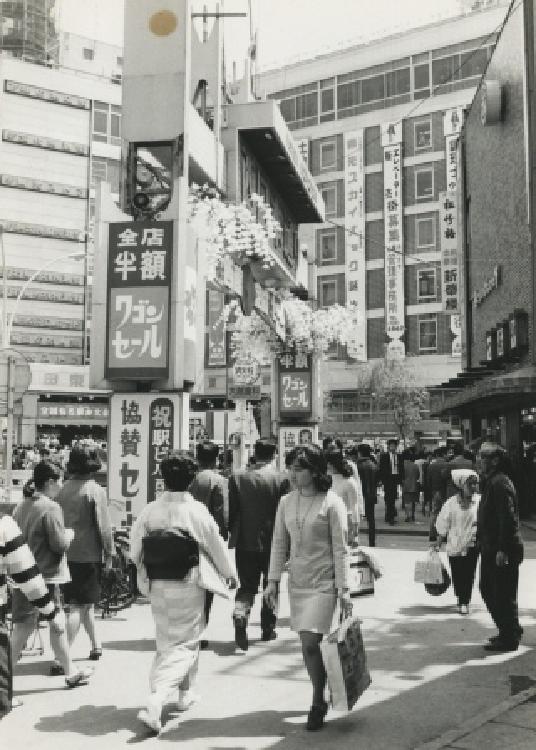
[(448, 221), (394, 249), (451, 146), (161, 421), (216, 346), (292, 436), (354, 219), (139, 283), (295, 386), (303, 148)]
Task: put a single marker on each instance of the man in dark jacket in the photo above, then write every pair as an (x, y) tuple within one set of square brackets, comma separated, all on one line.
[(458, 461), (368, 473), (501, 546), (435, 486), (254, 495), (391, 474)]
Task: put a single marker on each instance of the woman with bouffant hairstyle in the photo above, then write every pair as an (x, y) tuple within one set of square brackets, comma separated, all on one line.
[(312, 521)]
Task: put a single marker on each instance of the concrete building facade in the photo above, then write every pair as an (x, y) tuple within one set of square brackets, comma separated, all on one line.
[(392, 108)]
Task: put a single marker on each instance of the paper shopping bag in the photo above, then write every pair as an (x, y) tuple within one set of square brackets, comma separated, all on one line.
[(429, 570), (345, 660)]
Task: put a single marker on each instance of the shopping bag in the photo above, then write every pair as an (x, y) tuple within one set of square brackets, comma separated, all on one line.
[(6, 672), (361, 578), (429, 570), (345, 660), (436, 589)]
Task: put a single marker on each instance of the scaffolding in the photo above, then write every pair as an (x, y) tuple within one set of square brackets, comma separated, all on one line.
[(29, 30)]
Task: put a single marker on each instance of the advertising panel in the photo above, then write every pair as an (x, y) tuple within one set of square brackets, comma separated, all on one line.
[(216, 344), (354, 219), (139, 283), (295, 386), (448, 221), (394, 250)]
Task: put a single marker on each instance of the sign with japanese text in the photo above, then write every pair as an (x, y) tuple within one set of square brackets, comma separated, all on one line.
[(77, 413), (448, 222), (292, 436), (139, 283), (303, 148), (216, 344), (394, 250), (295, 385), (354, 219), (456, 331), (453, 121), (143, 428), (245, 380), (391, 133), (451, 147)]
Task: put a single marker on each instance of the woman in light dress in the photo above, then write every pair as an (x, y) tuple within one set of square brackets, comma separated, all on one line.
[(347, 486), (312, 521), (456, 525)]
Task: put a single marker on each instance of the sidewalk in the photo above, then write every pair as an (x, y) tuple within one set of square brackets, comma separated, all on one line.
[(511, 723)]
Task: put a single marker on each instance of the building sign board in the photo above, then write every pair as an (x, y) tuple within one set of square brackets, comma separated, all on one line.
[(295, 386), (62, 413), (394, 250), (143, 428), (216, 344), (451, 147), (448, 221), (354, 219), (139, 285), (292, 436)]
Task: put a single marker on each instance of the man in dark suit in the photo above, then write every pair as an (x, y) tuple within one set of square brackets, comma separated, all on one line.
[(435, 486), (254, 495), (390, 475), (368, 473)]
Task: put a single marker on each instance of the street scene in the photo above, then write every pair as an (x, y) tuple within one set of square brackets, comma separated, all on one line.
[(268, 373)]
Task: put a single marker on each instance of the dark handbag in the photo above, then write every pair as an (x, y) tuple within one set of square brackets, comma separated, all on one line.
[(169, 555), (436, 589)]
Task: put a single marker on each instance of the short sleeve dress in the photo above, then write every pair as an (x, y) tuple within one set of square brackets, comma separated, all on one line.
[(316, 529)]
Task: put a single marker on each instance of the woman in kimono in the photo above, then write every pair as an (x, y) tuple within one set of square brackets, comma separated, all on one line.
[(170, 576), (312, 521)]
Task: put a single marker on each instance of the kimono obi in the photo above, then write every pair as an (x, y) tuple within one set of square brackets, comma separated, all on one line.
[(169, 554)]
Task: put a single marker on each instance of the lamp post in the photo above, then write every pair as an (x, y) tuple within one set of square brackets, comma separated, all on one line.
[(7, 326)]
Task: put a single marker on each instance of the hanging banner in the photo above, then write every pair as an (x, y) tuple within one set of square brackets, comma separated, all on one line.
[(295, 386), (143, 428), (448, 221), (354, 220), (394, 250), (216, 345), (453, 121), (139, 283), (391, 133), (451, 147)]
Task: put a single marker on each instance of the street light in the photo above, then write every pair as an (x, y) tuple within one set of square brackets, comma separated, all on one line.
[(7, 326)]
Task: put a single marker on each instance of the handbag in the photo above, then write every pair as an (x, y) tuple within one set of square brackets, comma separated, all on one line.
[(345, 661), (429, 570), (361, 576), (436, 589)]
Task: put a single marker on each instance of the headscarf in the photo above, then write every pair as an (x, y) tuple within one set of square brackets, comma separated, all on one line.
[(460, 476)]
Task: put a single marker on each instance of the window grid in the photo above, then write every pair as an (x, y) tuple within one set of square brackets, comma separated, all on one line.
[(329, 196), (428, 334), (424, 183), (425, 232), (328, 292), (106, 123), (426, 285), (328, 155), (328, 246), (422, 132)]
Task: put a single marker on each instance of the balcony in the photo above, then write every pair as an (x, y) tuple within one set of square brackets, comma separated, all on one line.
[(206, 153)]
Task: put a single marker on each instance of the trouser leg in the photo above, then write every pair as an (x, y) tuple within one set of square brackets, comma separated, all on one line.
[(209, 598), (371, 522), (268, 615), (488, 585), (249, 570), (507, 578)]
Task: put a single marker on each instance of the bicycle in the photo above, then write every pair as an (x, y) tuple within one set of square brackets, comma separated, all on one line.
[(118, 587)]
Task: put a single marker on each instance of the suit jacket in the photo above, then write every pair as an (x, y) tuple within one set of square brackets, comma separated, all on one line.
[(498, 518), (411, 481), (254, 496), (368, 473), (210, 488), (385, 472), (435, 481)]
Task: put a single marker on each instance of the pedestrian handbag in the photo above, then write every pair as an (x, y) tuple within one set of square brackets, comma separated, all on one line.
[(169, 554), (345, 660), (436, 589), (361, 578), (429, 570)]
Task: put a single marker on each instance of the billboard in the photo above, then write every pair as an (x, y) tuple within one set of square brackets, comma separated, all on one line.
[(138, 300)]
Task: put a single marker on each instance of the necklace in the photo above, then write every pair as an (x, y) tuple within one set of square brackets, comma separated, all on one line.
[(300, 521)]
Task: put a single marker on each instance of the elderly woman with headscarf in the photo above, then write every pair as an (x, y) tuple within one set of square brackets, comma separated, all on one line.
[(172, 541), (456, 525)]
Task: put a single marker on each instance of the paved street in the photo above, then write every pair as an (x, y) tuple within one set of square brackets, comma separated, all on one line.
[(429, 675)]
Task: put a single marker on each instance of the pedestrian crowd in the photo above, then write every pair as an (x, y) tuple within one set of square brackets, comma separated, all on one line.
[(303, 519)]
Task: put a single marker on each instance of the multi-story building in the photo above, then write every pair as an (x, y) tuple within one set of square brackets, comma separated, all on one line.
[(29, 30), (60, 135), (494, 394), (378, 124)]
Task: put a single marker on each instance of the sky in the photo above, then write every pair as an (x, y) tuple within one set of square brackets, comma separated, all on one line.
[(287, 29)]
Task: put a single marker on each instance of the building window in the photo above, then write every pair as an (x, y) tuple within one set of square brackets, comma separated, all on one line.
[(424, 183), (328, 245), (119, 62), (328, 292), (327, 100), (328, 155), (87, 53), (428, 334), (106, 123), (425, 232), (329, 196), (426, 284), (106, 170), (421, 81), (423, 135)]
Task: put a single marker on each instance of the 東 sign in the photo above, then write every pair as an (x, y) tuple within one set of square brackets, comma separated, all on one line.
[(139, 283)]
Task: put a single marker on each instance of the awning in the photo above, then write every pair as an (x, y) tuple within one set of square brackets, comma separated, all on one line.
[(265, 132), (506, 389)]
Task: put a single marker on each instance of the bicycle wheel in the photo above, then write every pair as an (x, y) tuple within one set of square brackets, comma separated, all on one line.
[(117, 592)]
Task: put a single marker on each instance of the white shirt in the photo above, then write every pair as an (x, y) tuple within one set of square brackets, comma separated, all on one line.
[(458, 525)]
